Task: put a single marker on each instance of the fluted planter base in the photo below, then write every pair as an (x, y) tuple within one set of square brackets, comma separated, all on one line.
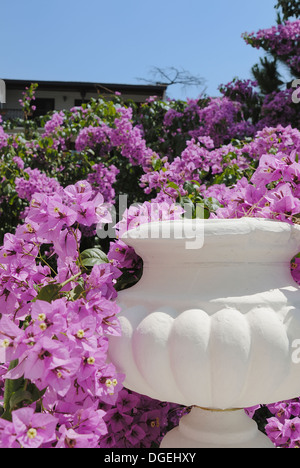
[(215, 325), (203, 428)]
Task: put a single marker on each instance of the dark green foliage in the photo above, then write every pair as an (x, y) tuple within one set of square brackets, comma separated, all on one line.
[(290, 8), (267, 76)]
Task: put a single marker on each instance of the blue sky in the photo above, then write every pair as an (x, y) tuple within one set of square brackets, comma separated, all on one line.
[(120, 41)]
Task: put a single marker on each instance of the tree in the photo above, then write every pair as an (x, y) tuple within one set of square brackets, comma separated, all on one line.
[(175, 76), (267, 76), (282, 46), (290, 8)]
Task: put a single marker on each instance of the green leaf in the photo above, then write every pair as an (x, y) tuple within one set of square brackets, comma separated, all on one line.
[(206, 213), (196, 182), (18, 397), (212, 204), (94, 256), (49, 292), (77, 292), (156, 164), (172, 185), (10, 387), (189, 206), (35, 393)]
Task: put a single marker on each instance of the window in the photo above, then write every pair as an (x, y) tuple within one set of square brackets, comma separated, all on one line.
[(79, 102), (43, 105)]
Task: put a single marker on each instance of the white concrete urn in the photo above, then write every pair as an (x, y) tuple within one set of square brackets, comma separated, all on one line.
[(214, 323)]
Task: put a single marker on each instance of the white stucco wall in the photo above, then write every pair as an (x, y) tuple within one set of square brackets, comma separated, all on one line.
[(62, 100)]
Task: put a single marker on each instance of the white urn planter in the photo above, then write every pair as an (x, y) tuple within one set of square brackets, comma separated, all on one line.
[(212, 326)]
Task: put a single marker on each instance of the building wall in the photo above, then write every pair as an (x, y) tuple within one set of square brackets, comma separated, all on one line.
[(64, 95), (63, 100)]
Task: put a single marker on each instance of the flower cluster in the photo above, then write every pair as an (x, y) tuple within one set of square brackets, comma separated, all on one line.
[(3, 136), (246, 93), (53, 129), (54, 123), (239, 90), (55, 325), (279, 107), (91, 136), (35, 181), (281, 40), (28, 95), (273, 191), (136, 421), (221, 119), (26, 101), (102, 180), (283, 422), (195, 162), (129, 138), (123, 135)]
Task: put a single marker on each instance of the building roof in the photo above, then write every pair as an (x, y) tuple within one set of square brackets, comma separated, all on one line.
[(89, 87)]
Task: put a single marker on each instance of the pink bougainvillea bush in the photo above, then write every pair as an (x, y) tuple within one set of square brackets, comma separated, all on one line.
[(57, 311), (281, 40), (58, 297), (62, 180)]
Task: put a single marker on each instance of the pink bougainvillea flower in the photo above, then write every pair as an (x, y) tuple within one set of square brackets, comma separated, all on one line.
[(291, 428), (10, 340), (274, 431), (33, 429)]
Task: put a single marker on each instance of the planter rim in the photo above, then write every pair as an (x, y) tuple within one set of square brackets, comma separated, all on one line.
[(191, 229)]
